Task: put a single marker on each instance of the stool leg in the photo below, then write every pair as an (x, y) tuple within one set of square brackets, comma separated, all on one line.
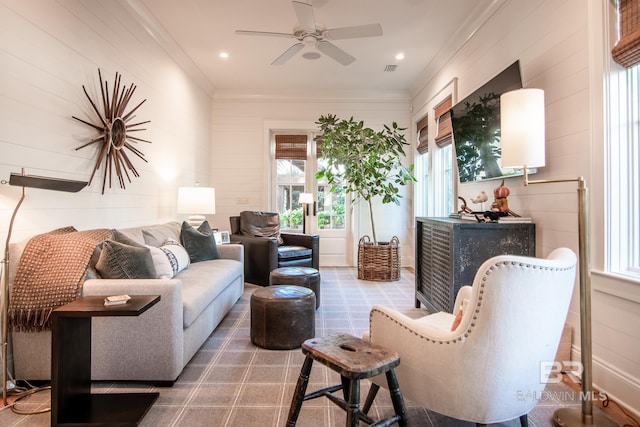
[(345, 387), (373, 391), (353, 406), (396, 397), (301, 389)]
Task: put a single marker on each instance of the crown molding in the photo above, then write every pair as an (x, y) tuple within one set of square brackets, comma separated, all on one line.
[(313, 96), (141, 14), (477, 19)]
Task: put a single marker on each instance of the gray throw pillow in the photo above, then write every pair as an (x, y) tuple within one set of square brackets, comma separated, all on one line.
[(201, 243), (120, 261), (119, 236)]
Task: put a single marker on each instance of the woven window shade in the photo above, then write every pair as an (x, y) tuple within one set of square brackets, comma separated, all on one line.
[(443, 120), (422, 130), (292, 147), (627, 50)]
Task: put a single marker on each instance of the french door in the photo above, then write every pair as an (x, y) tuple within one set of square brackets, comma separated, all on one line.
[(296, 162)]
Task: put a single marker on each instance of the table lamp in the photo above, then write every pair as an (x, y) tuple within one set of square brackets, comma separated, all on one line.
[(196, 202)]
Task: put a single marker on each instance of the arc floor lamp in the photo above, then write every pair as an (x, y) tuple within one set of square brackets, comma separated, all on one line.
[(24, 181), (523, 146)]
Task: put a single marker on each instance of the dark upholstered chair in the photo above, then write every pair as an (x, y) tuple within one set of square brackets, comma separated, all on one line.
[(266, 249)]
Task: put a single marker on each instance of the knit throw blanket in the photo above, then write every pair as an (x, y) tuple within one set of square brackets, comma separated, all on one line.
[(51, 273)]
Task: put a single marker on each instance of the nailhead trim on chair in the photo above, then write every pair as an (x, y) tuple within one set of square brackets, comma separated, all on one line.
[(480, 292)]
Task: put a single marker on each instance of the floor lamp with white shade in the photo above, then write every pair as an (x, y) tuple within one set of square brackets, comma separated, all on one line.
[(522, 126), (24, 181), (305, 199)]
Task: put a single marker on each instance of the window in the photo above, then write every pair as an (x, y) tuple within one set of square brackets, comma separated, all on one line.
[(434, 161), (623, 177), (444, 161), (421, 205), (291, 155)]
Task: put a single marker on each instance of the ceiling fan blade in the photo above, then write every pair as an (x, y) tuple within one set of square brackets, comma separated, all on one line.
[(369, 30), (262, 33), (335, 52), (304, 12), (288, 54)]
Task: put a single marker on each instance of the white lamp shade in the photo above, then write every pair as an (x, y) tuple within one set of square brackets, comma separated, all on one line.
[(305, 198), (196, 200), (522, 128)]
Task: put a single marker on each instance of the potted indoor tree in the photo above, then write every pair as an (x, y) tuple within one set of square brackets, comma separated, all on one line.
[(367, 164)]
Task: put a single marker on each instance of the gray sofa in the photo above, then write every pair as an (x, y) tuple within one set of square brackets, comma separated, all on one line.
[(155, 346)]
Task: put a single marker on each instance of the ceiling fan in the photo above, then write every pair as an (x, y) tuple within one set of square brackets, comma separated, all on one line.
[(308, 33)]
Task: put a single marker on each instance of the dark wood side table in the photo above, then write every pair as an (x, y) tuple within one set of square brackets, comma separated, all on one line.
[(71, 399)]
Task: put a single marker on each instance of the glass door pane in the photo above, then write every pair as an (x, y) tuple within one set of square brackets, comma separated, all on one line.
[(290, 182), (331, 206)]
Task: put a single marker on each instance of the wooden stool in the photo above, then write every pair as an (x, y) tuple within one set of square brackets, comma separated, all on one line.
[(354, 359)]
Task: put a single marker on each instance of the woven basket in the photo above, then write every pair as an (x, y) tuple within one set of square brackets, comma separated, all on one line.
[(379, 262)]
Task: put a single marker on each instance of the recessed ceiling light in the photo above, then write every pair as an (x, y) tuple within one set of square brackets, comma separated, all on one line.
[(400, 56), (223, 55)]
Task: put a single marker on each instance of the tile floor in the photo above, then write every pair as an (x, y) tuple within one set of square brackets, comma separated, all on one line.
[(230, 382)]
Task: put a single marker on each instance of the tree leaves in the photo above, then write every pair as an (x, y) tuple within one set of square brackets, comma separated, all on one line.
[(365, 162)]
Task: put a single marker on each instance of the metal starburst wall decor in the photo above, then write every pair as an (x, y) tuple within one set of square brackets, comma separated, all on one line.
[(115, 130)]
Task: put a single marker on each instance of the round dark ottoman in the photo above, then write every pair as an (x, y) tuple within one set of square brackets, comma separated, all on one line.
[(282, 317), (300, 276)]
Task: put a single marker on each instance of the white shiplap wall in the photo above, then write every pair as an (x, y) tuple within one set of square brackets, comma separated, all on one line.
[(48, 51), (556, 43)]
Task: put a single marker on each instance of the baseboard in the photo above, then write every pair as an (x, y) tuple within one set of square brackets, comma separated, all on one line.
[(620, 387)]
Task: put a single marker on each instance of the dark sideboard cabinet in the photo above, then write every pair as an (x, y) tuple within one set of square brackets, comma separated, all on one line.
[(449, 252)]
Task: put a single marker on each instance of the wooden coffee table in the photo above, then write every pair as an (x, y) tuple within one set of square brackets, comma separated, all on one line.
[(71, 399)]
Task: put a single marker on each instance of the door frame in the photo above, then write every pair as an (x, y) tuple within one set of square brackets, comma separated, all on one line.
[(271, 127)]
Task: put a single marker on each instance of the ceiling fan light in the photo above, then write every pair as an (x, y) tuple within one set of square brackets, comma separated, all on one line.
[(311, 55)]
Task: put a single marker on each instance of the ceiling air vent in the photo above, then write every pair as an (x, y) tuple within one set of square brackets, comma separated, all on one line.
[(390, 68)]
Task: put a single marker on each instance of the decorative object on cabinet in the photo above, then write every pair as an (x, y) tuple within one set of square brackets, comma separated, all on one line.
[(23, 181), (463, 207), (500, 203), (196, 202), (365, 163), (523, 147), (449, 251), (115, 131)]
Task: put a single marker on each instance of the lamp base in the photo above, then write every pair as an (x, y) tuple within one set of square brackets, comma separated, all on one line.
[(572, 417), (196, 220)]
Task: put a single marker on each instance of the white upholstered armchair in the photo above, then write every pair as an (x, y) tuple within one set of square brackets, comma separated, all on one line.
[(488, 369)]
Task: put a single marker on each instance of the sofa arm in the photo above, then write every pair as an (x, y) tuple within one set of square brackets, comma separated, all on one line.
[(231, 251), (311, 241), (134, 347)]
